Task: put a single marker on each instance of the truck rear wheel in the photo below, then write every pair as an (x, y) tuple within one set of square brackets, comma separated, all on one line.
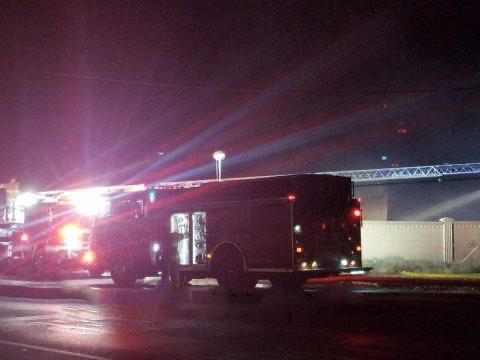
[(123, 276), (177, 278)]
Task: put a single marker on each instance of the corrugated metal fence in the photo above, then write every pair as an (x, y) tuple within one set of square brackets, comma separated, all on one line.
[(445, 241)]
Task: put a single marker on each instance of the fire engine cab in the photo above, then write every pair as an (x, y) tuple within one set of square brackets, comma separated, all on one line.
[(286, 229)]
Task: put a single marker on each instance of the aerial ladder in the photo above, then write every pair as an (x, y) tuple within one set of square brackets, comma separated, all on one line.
[(438, 172)]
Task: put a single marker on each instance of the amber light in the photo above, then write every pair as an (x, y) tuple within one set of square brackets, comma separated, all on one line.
[(359, 248), (299, 249), (89, 257)]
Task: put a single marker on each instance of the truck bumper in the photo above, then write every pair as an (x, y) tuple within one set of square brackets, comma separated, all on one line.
[(67, 259)]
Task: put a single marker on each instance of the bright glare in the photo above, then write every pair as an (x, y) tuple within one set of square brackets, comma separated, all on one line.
[(133, 188), (314, 264), (24, 237), (156, 247), (344, 262), (219, 155), (89, 202), (26, 199), (72, 236)]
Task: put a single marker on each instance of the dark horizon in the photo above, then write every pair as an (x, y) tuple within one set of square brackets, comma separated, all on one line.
[(108, 92)]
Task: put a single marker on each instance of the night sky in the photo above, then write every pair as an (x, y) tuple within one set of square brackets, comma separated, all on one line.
[(110, 92)]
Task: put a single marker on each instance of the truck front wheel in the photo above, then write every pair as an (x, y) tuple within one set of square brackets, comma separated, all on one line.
[(43, 264), (123, 276)]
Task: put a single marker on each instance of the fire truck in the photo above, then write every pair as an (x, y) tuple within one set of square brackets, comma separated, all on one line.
[(51, 231), (53, 236), (286, 229)]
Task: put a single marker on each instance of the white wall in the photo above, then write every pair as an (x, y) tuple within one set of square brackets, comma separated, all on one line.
[(405, 239), (441, 241)]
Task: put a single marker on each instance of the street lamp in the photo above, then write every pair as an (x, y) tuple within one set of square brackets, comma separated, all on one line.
[(218, 156)]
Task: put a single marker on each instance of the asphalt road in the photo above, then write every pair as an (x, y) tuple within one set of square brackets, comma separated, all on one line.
[(335, 322)]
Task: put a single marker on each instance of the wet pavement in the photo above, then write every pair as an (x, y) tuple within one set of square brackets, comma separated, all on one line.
[(53, 288), (75, 285), (200, 322)]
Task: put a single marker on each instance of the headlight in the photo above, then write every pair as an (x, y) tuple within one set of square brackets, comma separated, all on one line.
[(344, 262), (72, 237)]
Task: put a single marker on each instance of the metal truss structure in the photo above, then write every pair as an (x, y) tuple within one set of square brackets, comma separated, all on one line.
[(358, 176), (406, 173)]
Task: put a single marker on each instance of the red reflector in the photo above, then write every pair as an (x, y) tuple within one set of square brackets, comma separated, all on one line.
[(291, 197), (357, 212)]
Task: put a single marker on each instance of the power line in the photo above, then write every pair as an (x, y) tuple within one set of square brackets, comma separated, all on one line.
[(246, 90)]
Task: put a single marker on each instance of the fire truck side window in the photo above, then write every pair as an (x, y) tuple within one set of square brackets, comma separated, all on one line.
[(180, 224), (192, 248), (199, 235)]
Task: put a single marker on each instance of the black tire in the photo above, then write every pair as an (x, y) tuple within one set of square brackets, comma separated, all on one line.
[(39, 260), (43, 265), (175, 278), (230, 273), (123, 276)]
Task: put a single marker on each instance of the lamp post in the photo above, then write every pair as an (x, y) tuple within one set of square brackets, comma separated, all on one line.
[(218, 156)]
